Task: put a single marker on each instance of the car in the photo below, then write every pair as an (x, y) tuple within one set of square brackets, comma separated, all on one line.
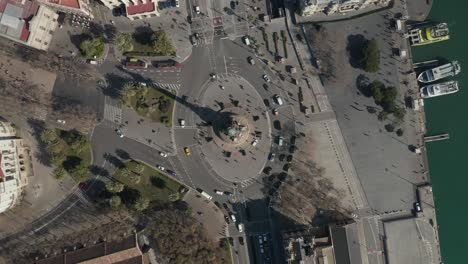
[(218, 192), (213, 76), (193, 40), (293, 140), (233, 5), (278, 99), (271, 156), (275, 111), (189, 19), (286, 167), (187, 151), (241, 240), (417, 207), (226, 218), (240, 227), (228, 193), (292, 149), (196, 35), (266, 102), (162, 154), (91, 61), (266, 78), (246, 40), (197, 9), (176, 3), (280, 140), (119, 133), (251, 60), (161, 168), (265, 86), (233, 217), (289, 158), (254, 142), (61, 121), (277, 124), (225, 206), (182, 123), (171, 172)]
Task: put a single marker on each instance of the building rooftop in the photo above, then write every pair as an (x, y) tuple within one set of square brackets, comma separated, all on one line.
[(67, 3), (140, 8), (15, 17)]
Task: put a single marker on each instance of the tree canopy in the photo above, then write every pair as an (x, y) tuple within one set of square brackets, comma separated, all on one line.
[(92, 48), (162, 44), (370, 60), (124, 42)]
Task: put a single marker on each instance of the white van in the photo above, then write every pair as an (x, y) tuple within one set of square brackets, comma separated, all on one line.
[(246, 40), (197, 10), (207, 196), (278, 99), (91, 61), (280, 141)]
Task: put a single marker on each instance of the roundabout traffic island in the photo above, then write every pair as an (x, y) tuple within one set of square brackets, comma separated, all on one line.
[(237, 140)]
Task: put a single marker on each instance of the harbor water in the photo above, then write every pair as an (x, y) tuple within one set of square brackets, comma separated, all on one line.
[(449, 114)]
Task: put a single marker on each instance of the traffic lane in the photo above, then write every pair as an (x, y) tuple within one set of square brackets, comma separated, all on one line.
[(105, 141)]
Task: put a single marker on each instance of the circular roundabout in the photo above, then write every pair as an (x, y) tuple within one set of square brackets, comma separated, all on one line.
[(235, 138)]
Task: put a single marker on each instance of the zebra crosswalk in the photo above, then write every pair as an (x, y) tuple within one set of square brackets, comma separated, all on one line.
[(171, 87), (112, 111), (246, 183)]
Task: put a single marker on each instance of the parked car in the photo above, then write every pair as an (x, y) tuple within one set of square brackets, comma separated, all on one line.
[(280, 141), (197, 10), (233, 217), (254, 142), (417, 207), (176, 3), (228, 193), (182, 123), (241, 240), (267, 170), (161, 168), (162, 154), (171, 172), (251, 60), (240, 227), (187, 151), (266, 78), (278, 99), (271, 156), (275, 111), (218, 192)]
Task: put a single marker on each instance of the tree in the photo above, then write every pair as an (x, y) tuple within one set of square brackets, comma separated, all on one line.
[(115, 201), (58, 173), (49, 136), (141, 204), (399, 132), (370, 60), (139, 168), (114, 187), (92, 48), (124, 42), (162, 44), (125, 172)]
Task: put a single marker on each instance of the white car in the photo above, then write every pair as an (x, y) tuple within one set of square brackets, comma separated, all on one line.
[(182, 123), (120, 133), (240, 227), (162, 154), (61, 121), (254, 142), (266, 78), (218, 192), (197, 9), (161, 168), (278, 99), (233, 217), (177, 3)]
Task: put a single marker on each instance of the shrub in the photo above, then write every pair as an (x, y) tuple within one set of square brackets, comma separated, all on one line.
[(399, 132), (124, 42), (162, 44)]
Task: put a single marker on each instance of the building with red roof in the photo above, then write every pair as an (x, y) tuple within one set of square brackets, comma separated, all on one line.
[(79, 7), (27, 22), (135, 9)]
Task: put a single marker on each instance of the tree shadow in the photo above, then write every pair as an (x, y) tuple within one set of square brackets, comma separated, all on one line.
[(42, 155), (129, 196), (111, 32), (98, 171), (158, 182), (122, 154), (97, 30), (71, 162), (77, 39), (354, 49), (115, 84), (116, 162), (144, 35)]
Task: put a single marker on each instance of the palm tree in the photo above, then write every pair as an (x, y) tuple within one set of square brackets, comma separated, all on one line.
[(125, 172), (49, 136), (59, 173), (141, 204), (114, 187)]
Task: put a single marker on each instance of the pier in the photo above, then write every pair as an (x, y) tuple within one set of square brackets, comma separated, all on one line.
[(430, 63), (436, 138)]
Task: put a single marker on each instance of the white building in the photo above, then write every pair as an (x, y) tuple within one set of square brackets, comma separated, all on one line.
[(15, 167), (330, 7), (135, 9), (79, 7)]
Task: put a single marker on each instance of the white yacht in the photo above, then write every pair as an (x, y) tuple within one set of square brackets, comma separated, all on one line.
[(438, 89), (440, 72)]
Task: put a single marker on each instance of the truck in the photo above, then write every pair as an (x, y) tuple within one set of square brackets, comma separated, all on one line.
[(206, 195)]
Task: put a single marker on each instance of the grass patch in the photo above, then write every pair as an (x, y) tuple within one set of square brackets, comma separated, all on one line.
[(150, 183), (150, 102)]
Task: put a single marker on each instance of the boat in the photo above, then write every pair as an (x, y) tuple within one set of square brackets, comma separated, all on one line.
[(438, 89), (440, 72), (428, 34)]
